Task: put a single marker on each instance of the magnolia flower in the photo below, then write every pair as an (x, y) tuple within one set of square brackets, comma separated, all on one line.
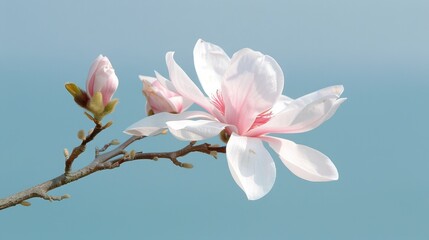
[(245, 104), (102, 78), (161, 96)]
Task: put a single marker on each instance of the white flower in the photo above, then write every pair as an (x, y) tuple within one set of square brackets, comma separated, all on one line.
[(245, 101)]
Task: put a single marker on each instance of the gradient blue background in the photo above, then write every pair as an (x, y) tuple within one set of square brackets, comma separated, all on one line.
[(378, 49)]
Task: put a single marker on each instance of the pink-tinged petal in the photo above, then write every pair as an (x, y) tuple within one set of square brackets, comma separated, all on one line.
[(165, 82), (155, 124), (184, 84), (211, 63), (181, 103), (305, 162), (251, 165), (102, 78), (110, 87), (162, 96), (151, 80), (177, 102), (303, 114), (91, 75), (252, 85), (186, 102), (148, 107), (156, 98), (195, 130), (102, 73)]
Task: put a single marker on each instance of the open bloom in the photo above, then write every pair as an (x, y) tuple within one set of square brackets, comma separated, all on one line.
[(161, 96), (102, 78), (245, 102)]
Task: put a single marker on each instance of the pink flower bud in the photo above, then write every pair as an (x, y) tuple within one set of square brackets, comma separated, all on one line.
[(161, 96), (102, 78)]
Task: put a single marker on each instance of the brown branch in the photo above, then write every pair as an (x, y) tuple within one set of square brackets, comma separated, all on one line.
[(203, 148), (81, 148), (104, 162)]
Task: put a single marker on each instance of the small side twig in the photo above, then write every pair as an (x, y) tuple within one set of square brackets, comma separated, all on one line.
[(81, 148), (105, 147)]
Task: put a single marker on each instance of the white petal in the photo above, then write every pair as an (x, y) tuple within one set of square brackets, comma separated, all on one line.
[(195, 130), (147, 78), (305, 126), (154, 124), (91, 74), (305, 162), (165, 82), (251, 165), (302, 114), (281, 104), (184, 84), (211, 63), (104, 74), (335, 90), (252, 85)]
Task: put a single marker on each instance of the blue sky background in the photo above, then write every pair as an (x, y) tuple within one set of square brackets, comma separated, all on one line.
[(377, 49)]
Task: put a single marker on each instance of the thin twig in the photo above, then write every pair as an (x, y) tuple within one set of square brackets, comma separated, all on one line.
[(81, 148)]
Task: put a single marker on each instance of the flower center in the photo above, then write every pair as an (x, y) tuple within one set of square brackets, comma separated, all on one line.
[(262, 118), (219, 104), (217, 101)]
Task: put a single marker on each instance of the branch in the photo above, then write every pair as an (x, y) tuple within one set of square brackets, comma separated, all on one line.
[(104, 162), (81, 148), (203, 148)]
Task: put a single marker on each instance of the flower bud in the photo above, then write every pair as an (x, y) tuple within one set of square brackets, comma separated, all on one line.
[(161, 96), (102, 78), (65, 196), (25, 203), (66, 153), (108, 124), (132, 154), (187, 165), (81, 135)]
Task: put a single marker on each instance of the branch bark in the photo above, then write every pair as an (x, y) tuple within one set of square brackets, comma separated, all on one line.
[(104, 162), (81, 148)]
